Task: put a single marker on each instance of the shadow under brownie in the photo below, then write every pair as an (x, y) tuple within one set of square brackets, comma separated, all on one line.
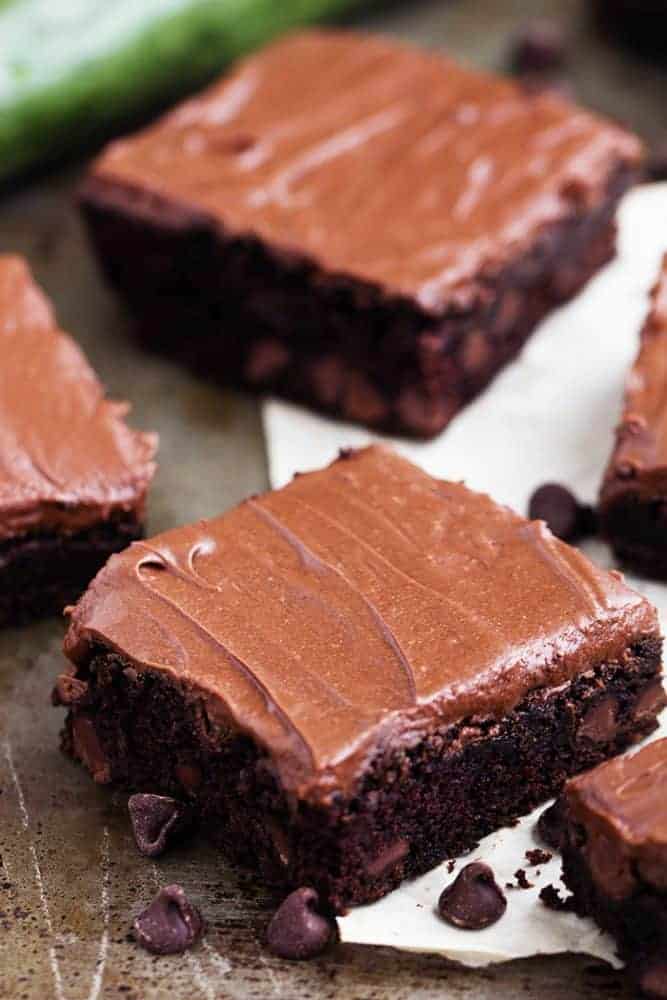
[(358, 675), (73, 475), (357, 225)]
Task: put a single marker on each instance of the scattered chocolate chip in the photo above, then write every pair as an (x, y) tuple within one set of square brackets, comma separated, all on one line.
[(551, 825), (655, 168), (297, 930), (156, 819), (551, 898), (170, 924), (539, 46), (474, 899), (538, 857), (564, 515)]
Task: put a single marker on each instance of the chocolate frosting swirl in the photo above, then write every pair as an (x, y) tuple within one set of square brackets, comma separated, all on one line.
[(357, 608)]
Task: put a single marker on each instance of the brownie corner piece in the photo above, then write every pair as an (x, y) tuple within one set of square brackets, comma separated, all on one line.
[(320, 240), (614, 847), (74, 475), (358, 675), (633, 495)]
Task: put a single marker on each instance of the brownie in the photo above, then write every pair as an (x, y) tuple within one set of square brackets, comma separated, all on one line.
[(357, 225), (633, 496), (358, 675), (615, 857), (73, 475)]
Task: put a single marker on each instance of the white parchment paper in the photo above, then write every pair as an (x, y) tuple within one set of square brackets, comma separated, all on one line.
[(549, 416)]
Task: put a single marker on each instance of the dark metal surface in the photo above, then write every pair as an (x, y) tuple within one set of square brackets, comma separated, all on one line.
[(70, 877)]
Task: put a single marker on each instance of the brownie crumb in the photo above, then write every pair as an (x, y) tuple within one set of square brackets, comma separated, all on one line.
[(552, 899), (474, 899), (521, 880), (451, 865), (538, 857)]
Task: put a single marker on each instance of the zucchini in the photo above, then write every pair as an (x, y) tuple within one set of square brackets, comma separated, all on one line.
[(71, 70)]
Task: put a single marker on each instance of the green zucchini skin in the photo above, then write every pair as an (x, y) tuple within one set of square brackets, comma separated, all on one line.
[(71, 70)]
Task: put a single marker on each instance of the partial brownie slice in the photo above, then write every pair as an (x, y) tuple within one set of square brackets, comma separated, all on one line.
[(357, 225), (73, 475), (358, 675), (615, 857), (633, 497)]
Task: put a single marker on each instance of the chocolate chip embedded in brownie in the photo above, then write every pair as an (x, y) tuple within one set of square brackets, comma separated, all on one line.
[(633, 496), (615, 857), (357, 676), (73, 475), (357, 225)]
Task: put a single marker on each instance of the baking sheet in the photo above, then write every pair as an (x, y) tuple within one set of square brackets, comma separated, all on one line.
[(549, 416)]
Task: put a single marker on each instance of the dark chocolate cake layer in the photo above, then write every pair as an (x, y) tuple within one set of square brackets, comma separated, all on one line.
[(73, 475), (615, 857), (357, 675), (357, 225), (633, 497)]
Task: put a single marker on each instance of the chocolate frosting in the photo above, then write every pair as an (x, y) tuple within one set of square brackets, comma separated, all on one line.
[(640, 455), (355, 609), (67, 457), (374, 160), (621, 805)]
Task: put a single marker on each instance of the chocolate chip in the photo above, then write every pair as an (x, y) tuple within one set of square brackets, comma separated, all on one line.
[(297, 930), (156, 819), (424, 415), (538, 47), (600, 723), (564, 515), (551, 825), (474, 899), (88, 749), (388, 858), (170, 924)]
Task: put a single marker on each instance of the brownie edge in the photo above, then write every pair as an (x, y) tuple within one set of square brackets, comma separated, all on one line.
[(614, 849), (412, 809)]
